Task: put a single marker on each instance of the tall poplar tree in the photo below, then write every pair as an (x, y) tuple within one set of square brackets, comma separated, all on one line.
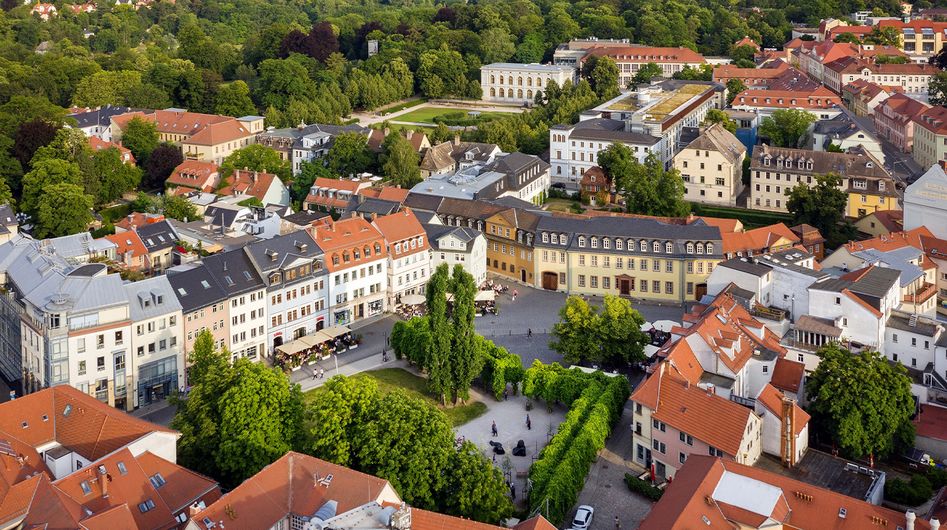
[(438, 362), (466, 358)]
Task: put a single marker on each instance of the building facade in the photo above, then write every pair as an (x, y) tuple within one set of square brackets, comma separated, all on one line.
[(157, 340), (409, 254), (930, 136), (520, 83), (712, 167), (894, 122)]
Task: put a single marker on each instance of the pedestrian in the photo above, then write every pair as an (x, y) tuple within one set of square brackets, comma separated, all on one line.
[(494, 456), (493, 429), (504, 394), (529, 424), (322, 373), (513, 491), (617, 523), (529, 333), (314, 374)]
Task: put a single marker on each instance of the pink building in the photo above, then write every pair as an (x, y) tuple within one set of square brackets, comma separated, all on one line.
[(893, 120), (204, 305)]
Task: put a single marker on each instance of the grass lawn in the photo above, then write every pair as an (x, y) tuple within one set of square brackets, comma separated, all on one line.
[(559, 205), (749, 218), (405, 105), (115, 213), (427, 114), (391, 379)]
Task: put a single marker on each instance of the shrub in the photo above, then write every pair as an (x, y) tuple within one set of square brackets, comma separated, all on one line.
[(642, 487), (917, 491)]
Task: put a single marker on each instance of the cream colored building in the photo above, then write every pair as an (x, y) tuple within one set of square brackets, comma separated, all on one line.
[(520, 83), (930, 137), (712, 167)]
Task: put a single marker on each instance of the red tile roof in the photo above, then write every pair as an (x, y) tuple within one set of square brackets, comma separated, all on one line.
[(787, 375), (772, 399), (91, 428), (933, 119), (195, 174), (386, 193), (252, 183), (904, 107), (98, 144), (647, 54), (690, 501), (402, 227), (932, 422), (757, 239), (345, 237), (129, 244), (202, 129), (819, 98), (136, 220), (893, 241)]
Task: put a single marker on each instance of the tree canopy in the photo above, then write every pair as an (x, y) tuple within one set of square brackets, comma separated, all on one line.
[(608, 334), (786, 127), (861, 402), (647, 188), (822, 206)]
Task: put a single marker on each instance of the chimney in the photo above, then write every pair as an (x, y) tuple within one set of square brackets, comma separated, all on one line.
[(408, 134), (254, 176), (909, 518), (386, 130), (193, 510), (374, 216), (104, 480), (935, 524), (457, 139)]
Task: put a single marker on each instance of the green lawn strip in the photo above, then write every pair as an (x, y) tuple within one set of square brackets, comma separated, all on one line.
[(427, 114), (110, 215), (405, 105), (749, 218), (391, 379)]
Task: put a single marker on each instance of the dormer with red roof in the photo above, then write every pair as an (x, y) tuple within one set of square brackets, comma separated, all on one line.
[(266, 187), (98, 144)]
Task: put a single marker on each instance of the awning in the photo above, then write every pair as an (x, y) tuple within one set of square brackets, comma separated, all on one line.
[(665, 325), (304, 343), (336, 331), (485, 296), (291, 348), (412, 299)]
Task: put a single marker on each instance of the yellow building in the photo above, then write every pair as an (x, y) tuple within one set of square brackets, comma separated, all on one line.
[(712, 167), (867, 195), (510, 244), (207, 137), (646, 258)]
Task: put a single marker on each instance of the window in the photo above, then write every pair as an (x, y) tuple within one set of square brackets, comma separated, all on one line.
[(686, 438), (122, 469), (157, 480), (100, 363), (656, 247), (682, 457), (715, 452), (669, 247), (146, 506), (86, 489), (81, 367)]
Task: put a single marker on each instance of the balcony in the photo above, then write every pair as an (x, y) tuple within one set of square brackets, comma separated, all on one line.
[(921, 295), (770, 313)]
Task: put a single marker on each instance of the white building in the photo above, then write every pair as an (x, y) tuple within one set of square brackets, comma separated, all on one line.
[(573, 149), (925, 202), (409, 257), (458, 245), (778, 412), (517, 175), (292, 267), (157, 345), (520, 83)]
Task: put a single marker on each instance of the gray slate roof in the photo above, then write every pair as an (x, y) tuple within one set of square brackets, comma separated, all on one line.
[(151, 298), (157, 236), (234, 272), (196, 288)]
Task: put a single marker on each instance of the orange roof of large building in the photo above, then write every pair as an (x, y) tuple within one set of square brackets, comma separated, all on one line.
[(818, 98), (709, 492), (75, 420), (647, 54), (401, 227), (385, 193), (725, 72), (893, 241), (763, 238), (128, 242), (348, 242), (204, 129), (903, 107), (252, 183), (933, 119), (136, 220)]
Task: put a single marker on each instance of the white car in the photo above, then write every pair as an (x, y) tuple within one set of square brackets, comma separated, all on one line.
[(583, 517)]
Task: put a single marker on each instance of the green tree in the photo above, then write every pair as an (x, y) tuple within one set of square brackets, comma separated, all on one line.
[(822, 206), (115, 176), (441, 72), (734, 87), (344, 406), (786, 127), (618, 330), (475, 488), (646, 73), (438, 354), (177, 207), (349, 154), (141, 138), (719, 116), (106, 88), (203, 356), (256, 157), (603, 79), (497, 45), (46, 173), (861, 401), (574, 334), (401, 163), (63, 209), (743, 55), (847, 36), (302, 181), (648, 188), (937, 89), (237, 419), (233, 99), (466, 356), (886, 36)]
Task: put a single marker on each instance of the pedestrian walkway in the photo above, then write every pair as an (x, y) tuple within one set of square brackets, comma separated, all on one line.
[(373, 362)]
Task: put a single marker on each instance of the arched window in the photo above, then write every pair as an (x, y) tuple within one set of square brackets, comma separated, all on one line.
[(690, 248), (644, 246), (606, 243), (710, 248), (594, 242), (700, 248), (501, 93), (493, 78), (619, 244), (656, 246), (529, 94), (519, 93), (501, 79), (539, 81), (519, 81), (581, 241), (669, 247), (493, 92), (529, 81)]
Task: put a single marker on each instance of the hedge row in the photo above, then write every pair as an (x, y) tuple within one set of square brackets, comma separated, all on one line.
[(554, 384), (559, 475), (643, 487)]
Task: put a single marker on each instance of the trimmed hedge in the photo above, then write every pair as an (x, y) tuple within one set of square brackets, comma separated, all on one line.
[(559, 474), (642, 487), (917, 491)]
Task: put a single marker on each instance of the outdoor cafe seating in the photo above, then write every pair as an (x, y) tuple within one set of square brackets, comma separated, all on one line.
[(312, 348)]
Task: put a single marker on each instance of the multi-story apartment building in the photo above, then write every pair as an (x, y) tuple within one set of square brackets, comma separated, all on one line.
[(813, 61), (292, 267), (930, 136), (156, 355), (863, 97), (458, 245), (333, 195), (516, 175), (632, 57), (894, 122), (409, 254), (775, 170), (913, 78), (96, 122), (356, 259), (510, 238), (574, 148), (647, 258), (919, 39), (820, 101), (661, 109), (305, 143), (712, 167), (204, 306), (246, 297), (208, 137), (521, 83)]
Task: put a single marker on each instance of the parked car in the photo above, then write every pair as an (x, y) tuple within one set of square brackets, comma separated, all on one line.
[(583, 517)]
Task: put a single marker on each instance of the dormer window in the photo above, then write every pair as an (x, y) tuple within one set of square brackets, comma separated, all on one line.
[(766, 160), (643, 246), (606, 243), (594, 242), (377, 248), (809, 164), (554, 238), (619, 244), (690, 248), (710, 248), (656, 247), (545, 237), (700, 248), (669, 247), (581, 241)]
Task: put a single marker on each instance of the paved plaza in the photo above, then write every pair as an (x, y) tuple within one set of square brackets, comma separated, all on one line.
[(510, 417)]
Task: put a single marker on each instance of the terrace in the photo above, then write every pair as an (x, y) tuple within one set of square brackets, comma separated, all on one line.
[(659, 105)]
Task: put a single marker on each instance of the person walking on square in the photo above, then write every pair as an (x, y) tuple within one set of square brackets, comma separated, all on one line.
[(529, 424), (617, 523), (493, 429), (322, 373)]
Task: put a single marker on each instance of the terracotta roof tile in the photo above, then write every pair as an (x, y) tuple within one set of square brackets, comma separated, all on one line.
[(196, 174), (772, 399), (646, 54), (337, 237), (128, 242), (252, 183), (706, 416), (425, 520), (183, 487), (401, 226), (787, 375)]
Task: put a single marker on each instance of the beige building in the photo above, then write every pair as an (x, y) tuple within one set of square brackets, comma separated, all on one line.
[(520, 83), (712, 167), (207, 137), (930, 137)]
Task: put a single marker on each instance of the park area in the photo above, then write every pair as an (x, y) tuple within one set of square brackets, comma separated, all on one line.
[(447, 115)]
